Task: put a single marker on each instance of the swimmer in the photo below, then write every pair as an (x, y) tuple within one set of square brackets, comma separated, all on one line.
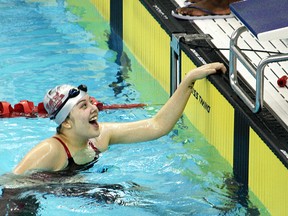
[(81, 137)]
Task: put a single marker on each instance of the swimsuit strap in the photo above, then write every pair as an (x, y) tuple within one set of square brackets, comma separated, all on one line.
[(65, 147), (93, 146)]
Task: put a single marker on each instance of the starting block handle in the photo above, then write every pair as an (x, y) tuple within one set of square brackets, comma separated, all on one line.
[(257, 72)]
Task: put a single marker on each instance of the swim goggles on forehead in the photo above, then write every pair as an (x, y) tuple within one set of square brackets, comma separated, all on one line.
[(74, 92)]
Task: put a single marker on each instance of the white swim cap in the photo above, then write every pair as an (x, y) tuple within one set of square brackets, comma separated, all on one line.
[(60, 100)]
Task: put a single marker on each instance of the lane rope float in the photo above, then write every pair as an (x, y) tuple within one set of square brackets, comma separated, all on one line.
[(26, 108)]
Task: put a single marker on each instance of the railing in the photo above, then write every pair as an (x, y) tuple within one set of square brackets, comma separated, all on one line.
[(256, 72)]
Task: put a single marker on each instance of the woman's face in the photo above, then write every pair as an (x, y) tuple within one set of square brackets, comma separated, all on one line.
[(84, 117)]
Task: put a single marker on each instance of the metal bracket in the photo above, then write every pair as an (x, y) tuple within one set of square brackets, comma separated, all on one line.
[(193, 37), (176, 54), (186, 38), (175, 40), (175, 60)]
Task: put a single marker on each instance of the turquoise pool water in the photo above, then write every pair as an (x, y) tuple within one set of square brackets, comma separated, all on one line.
[(42, 44)]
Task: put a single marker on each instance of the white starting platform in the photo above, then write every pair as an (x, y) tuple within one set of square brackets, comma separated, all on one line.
[(255, 43), (264, 25), (267, 20)]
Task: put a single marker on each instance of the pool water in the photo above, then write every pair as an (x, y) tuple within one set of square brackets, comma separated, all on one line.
[(43, 44)]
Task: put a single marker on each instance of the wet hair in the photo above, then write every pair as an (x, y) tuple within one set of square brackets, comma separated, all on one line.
[(58, 129)]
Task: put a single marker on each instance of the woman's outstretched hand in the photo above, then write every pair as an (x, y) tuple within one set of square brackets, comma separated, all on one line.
[(206, 70)]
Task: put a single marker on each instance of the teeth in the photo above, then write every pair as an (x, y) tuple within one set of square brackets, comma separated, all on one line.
[(93, 119)]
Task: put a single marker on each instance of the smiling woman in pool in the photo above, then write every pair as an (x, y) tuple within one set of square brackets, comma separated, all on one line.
[(80, 138)]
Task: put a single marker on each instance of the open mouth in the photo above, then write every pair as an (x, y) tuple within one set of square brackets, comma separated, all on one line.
[(93, 121)]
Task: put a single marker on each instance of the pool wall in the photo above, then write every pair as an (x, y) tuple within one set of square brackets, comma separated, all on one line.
[(256, 152)]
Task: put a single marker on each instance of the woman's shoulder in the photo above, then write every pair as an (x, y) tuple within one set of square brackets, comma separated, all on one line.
[(44, 156), (49, 145)]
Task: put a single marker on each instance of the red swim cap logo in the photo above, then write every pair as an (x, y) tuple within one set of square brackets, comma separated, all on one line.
[(55, 102)]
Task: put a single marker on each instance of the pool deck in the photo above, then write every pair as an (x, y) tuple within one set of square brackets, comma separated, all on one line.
[(221, 30)]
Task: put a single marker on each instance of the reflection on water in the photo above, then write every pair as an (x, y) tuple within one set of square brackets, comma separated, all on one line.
[(234, 195), (27, 199), (122, 75)]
